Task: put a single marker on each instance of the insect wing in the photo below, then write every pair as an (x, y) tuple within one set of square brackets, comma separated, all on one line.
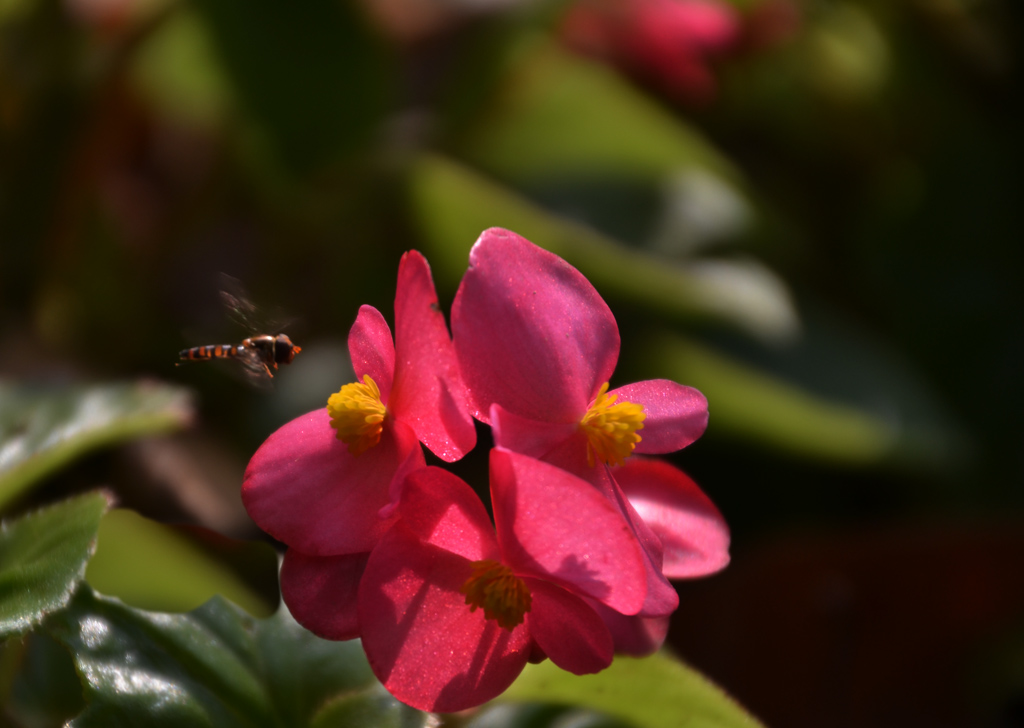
[(240, 309), (245, 314), (254, 366)]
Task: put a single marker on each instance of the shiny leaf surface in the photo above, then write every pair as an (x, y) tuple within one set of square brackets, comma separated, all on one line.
[(215, 666)]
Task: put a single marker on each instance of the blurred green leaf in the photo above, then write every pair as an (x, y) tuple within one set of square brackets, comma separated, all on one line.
[(41, 430), (542, 715), (369, 708), (44, 690), (216, 666), (153, 566), (310, 74), (177, 70), (835, 394), (42, 559), (454, 205), (846, 56), (562, 114), (655, 692), (749, 404)]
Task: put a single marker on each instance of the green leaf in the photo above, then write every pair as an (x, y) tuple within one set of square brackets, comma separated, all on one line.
[(41, 430), (751, 405), (454, 205), (215, 666), (542, 715), (310, 74), (565, 115), (43, 557), (176, 70), (44, 689), (370, 708), (654, 692), (835, 395), (153, 566)]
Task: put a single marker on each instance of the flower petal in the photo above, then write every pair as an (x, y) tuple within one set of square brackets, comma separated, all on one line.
[(633, 635), (423, 642), (320, 592), (570, 456), (372, 349), (662, 598), (555, 526), (676, 414), (304, 488), (529, 437), (567, 629), (442, 510), (694, 536), (428, 393), (531, 333)]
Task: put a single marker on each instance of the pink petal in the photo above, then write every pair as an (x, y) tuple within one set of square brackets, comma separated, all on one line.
[(677, 415), (555, 526), (531, 333), (571, 457), (710, 24), (413, 461), (529, 437), (635, 636), (428, 393), (662, 598), (320, 592), (423, 643), (568, 630), (372, 350), (304, 488), (443, 511), (693, 533)]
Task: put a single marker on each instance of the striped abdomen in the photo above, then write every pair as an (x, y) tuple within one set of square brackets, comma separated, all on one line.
[(211, 351)]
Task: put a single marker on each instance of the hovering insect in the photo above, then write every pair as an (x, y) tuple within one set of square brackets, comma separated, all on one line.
[(257, 353)]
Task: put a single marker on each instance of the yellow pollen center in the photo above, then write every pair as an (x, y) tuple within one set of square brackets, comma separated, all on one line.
[(611, 427), (357, 415), (503, 595)]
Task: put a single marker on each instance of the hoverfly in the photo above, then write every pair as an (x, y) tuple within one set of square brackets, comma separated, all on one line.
[(257, 353)]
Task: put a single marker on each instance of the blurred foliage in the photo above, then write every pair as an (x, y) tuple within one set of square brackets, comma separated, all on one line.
[(189, 574), (657, 692), (45, 428), (825, 240)]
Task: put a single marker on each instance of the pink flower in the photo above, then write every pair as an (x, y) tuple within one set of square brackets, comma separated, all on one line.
[(534, 338), (327, 483), (537, 346), (670, 42), (450, 611)]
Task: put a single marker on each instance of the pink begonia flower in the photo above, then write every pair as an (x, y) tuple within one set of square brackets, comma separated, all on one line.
[(537, 346), (534, 337), (670, 42), (450, 611), (327, 483)]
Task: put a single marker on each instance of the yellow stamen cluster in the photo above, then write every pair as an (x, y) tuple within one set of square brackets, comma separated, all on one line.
[(611, 428), (503, 596), (357, 415)]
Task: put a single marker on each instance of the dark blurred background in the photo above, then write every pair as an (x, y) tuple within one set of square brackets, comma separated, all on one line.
[(808, 209)]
